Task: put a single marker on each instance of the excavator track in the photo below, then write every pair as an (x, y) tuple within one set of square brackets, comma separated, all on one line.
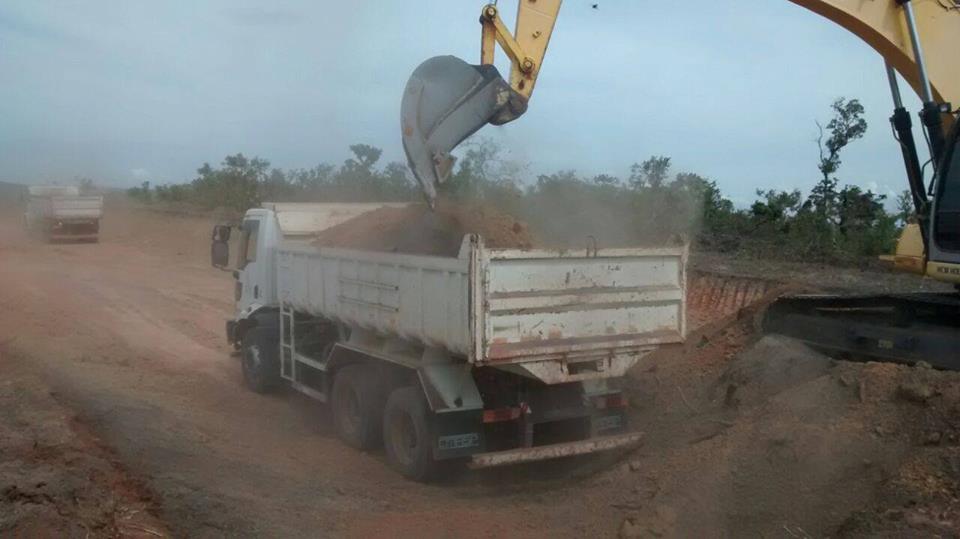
[(903, 328)]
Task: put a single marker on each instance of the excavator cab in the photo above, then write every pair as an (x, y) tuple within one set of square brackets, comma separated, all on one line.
[(946, 219), (447, 100)]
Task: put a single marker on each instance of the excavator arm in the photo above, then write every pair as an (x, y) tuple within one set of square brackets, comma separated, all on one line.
[(526, 47), (447, 99), (881, 24)]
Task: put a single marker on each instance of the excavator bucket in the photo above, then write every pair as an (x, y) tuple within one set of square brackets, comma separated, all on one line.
[(447, 100)]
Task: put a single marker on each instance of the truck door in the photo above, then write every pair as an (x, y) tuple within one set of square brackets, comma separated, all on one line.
[(252, 281)]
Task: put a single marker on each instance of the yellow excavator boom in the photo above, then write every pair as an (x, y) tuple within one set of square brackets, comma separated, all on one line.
[(883, 26), (447, 100), (880, 23)]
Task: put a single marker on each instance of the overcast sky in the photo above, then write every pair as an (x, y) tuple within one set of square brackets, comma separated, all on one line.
[(131, 90)]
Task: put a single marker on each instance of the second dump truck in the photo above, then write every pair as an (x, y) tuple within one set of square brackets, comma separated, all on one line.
[(491, 357), (60, 212)]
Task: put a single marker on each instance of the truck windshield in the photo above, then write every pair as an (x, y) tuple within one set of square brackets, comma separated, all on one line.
[(248, 243)]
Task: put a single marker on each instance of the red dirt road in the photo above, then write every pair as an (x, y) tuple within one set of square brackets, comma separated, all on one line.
[(129, 334), (126, 398)]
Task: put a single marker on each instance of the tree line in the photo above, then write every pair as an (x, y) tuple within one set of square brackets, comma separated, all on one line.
[(651, 205)]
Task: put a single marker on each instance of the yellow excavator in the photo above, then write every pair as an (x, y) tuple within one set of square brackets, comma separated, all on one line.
[(447, 99)]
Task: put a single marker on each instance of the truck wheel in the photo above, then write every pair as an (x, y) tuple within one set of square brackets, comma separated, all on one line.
[(260, 358), (357, 404), (407, 435)]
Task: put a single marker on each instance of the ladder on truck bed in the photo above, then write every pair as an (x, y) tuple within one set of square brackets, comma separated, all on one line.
[(289, 356)]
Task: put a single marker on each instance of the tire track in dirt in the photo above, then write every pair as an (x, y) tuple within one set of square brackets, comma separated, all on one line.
[(127, 333), (127, 339), (57, 478)]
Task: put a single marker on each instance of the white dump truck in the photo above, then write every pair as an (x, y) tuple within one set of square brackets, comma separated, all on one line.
[(491, 357), (58, 212)]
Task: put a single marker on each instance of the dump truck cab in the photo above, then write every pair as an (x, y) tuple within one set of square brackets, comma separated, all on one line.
[(259, 237)]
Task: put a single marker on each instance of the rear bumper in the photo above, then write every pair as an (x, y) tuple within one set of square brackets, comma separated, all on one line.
[(73, 237), (545, 452), (76, 230)]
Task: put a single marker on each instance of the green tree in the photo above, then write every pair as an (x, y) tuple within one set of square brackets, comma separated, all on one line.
[(865, 227), (365, 156), (476, 170), (846, 126), (605, 180), (235, 185), (357, 177), (141, 193), (313, 180), (704, 193), (395, 182), (821, 212), (858, 210), (566, 210), (906, 212), (276, 187), (776, 207), (651, 173)]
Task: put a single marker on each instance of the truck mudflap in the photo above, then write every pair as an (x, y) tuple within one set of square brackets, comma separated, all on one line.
[(545, 452), (231, 331)]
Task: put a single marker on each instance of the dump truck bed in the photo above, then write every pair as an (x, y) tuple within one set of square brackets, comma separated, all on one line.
[(558, 315), (72, 208), (65, 207), (61, 213)]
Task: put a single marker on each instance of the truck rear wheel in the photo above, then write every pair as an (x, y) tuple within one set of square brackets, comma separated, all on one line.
[(407, 435), (260, 353), (357, 404)]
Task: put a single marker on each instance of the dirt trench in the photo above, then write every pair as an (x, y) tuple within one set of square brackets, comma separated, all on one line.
[(743, 436)]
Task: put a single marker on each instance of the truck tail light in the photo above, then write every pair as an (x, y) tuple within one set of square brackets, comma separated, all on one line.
[(501, 414), (616, 400)]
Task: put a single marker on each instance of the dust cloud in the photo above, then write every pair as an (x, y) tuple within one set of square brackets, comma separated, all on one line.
[(575, 215)]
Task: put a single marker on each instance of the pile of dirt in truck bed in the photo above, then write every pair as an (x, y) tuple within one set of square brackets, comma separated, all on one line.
[(415, 229)]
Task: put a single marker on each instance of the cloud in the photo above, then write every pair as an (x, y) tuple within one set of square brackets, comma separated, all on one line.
[(41, 31), (171, 85), (262, 16)]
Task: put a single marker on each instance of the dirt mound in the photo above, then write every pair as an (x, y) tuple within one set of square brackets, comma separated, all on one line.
[(770, 367), (742, 438), (779, 439), (416, 229)]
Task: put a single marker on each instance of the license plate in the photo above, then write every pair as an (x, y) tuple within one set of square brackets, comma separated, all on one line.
[(609, 422), (459, 441)]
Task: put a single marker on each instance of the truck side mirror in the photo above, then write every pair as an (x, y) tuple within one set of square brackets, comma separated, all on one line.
[(219, 248), (221, 233), (220, 254)]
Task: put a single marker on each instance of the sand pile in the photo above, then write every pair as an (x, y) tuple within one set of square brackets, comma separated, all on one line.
[(416, 229), (779, 440)]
